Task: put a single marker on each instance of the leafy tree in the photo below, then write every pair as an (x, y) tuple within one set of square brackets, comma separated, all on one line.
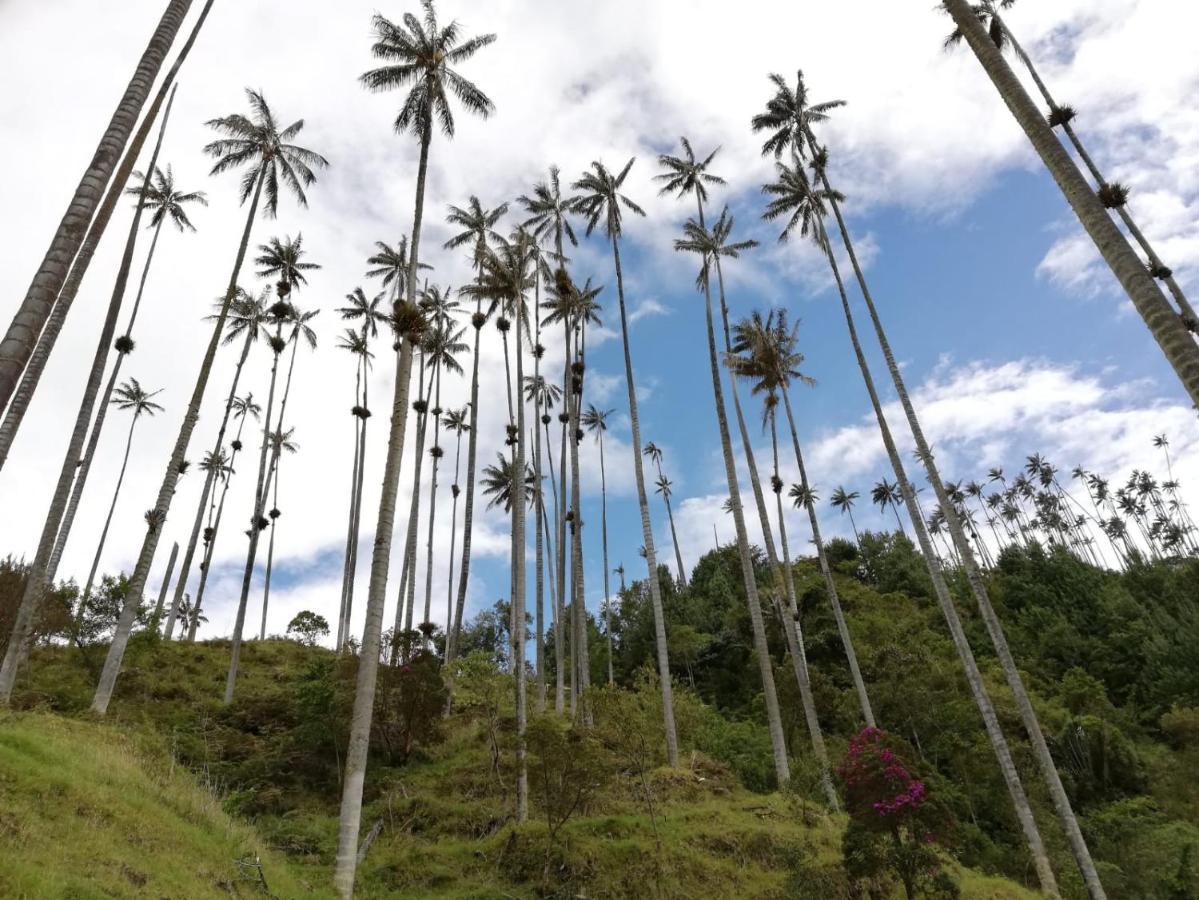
[(308, 627)]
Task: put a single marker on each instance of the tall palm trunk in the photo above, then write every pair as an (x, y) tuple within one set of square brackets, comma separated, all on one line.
[(1011, 673), (519, 576), (408, 576), (368, 660), (454, 490), (555, 597), (774, 721), (101, 413), (604, 531), (1157, 267), (792, 628), (578, 596), (166, 583), (647, 530), (260, 491), (347, 577), (270, 553), (435, 450), (205, 494), (826, 571), (539, 539), (116, 651), (1007, 766), (817, 735), (116, 493), (36, 584), (17, 346), (468, 508), (272, 473), (674, 537), (1163, 322), (568, 640)]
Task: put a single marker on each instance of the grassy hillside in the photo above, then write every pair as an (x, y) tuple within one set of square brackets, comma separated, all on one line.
[(162, 799), (85, 812)]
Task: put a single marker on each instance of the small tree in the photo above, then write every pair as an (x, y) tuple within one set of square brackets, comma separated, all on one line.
[(409, 701), (893, 823), (308, 627), (566, 767)]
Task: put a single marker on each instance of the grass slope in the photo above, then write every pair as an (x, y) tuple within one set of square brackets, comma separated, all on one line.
[(85, 812), (93, 809)]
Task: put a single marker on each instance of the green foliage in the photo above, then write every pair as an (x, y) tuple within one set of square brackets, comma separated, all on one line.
[(308, 627)]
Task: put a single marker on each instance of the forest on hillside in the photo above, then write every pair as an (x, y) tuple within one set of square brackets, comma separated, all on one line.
[(997, 697)]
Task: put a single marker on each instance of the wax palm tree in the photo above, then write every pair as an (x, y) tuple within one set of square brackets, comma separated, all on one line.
[(165, 202), (37, 583), (478, 228), (281, 441), (663, 487), (418, 55), (804, 140), (1137, 280), (699, 240), (499, 482), (457, 422), (595, 420), (366, 311), (247, 319), (284, 260), (549, 212), (601, 203), (256, 141), (1111, 194), (767, 351), (844, 501), (73, 231), (129, 397), (804, 207), (886, 494), (442, 348), (505, 274)]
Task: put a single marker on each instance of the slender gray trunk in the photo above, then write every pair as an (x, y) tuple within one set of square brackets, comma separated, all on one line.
[(17, 346), (205, 495), (519, 639), (1007, 766), (36, 583), (647, 530), (166, 583), (1011, 673), (809, 704), (436, 450), (162, 506), (604, 530), (101, 414), (674, 536), (368, 664), (346, 577), (260, 490), (1163, 322), (116, 493), (774, 721), (468, 509), (270, 555), (830, 585)]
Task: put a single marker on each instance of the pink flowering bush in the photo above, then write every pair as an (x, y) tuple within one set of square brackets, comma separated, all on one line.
[(893, 822)]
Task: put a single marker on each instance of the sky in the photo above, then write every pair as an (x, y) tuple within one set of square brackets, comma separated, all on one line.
[(1012, 335)]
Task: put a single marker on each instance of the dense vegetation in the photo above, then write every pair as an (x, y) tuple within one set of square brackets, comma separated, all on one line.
[(1110, 658)]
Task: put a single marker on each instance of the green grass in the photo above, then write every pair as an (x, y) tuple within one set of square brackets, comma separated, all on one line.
[(85, 812), (91, 809)]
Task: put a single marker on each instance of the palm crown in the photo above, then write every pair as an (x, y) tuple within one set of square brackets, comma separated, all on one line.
[(420, 54), (596, 420), (360, 307), (257, 141), (478, 227), (499, 482), (601, 199), (685, 175), (132, 396), (789, 116), (164, 200), (548, 210), (282, 259)]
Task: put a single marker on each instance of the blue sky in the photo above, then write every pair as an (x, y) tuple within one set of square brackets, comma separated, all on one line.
[(1012, 337)]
